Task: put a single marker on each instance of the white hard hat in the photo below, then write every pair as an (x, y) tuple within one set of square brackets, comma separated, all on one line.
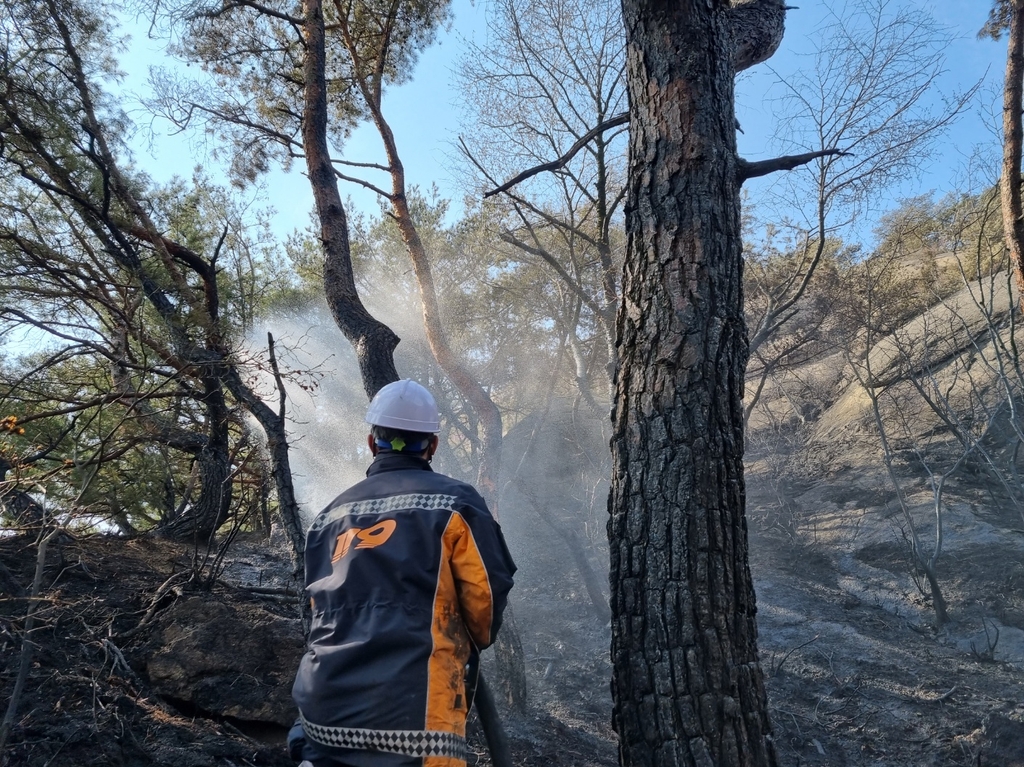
[(404, 405)]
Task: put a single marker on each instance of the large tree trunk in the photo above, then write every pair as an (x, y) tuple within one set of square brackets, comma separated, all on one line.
[(687, 686), (200, 520)]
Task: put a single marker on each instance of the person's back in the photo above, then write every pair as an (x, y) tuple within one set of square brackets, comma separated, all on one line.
[(408, 575)]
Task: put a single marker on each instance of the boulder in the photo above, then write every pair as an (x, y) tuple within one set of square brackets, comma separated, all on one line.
[(233, 660)]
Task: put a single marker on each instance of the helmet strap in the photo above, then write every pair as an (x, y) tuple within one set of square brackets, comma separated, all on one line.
[(399, 445)]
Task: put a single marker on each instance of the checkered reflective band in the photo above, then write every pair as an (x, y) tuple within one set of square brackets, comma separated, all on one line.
[(411, 501), (408, 742)]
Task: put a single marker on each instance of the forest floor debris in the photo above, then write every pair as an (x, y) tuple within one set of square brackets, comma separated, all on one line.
[(856, 673)]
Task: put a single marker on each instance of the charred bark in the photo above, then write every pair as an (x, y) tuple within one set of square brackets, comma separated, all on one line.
[(274, 425), (510, 661), (200, 520), (935, 591), (687, 685)]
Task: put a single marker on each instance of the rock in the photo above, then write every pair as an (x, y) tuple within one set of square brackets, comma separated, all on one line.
[(234, 660)]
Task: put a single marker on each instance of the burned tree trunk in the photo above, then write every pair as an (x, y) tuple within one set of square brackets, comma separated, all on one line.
[(200, 520), (274, 426), (687, 686)]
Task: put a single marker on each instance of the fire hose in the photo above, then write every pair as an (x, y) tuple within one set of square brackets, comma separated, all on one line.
[(478, 693)]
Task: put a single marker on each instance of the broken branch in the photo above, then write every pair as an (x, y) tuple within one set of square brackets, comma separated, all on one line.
[(746, 169)]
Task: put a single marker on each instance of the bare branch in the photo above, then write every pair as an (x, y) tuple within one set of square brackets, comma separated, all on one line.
[(520, 202), (586, 138), (363, 183), (371, 165), (282, 394), (214, 13), (747, 170)]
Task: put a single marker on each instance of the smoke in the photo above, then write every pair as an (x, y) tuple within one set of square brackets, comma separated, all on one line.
[(555, 463), (325, 405), (326, 402)]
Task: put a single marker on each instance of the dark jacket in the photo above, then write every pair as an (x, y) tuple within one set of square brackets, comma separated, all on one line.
[(407, 572)]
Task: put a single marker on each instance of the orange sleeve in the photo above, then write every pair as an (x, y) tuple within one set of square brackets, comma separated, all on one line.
[(472, 583)]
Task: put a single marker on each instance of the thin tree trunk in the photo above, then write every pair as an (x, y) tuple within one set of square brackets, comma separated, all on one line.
[(508, 647), (469, 387), (277, 443), (1013, 136), (577, 550), (27, 644), (199, 521), (938, 601), (274, 424), (373, 341), (687, 686)]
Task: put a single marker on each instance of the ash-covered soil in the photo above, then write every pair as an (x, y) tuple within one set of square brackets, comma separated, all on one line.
[(855, 677), (856, 671), (88, 699)]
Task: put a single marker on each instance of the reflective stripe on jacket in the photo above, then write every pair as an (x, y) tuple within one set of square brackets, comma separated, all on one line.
[(407, 571)]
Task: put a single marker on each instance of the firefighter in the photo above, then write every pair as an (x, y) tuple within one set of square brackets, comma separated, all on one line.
[(408, 575)]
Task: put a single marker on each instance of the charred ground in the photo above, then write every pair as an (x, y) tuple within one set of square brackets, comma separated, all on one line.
[(136, 665)]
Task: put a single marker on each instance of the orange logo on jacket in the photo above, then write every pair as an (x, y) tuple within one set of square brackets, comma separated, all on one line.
[(367, 539)]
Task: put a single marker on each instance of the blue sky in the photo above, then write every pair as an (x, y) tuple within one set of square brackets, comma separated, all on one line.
[(424, 113), (968, 61)]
